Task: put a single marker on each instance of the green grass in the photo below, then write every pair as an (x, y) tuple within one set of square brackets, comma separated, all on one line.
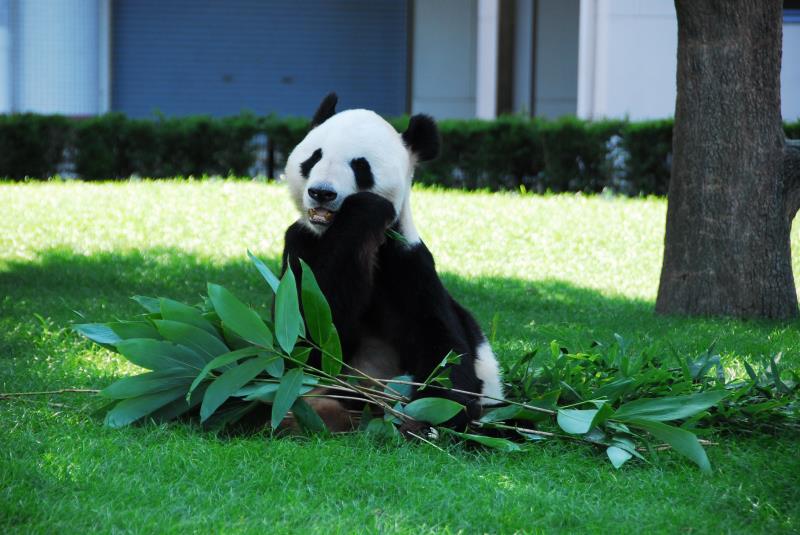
[(570, 268)]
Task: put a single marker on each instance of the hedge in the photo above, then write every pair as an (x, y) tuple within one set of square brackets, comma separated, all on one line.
[(509, 153), (32, 145)]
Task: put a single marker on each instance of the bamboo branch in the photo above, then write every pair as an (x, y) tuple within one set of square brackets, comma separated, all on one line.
[(10, 395), (665, 447), (387, 407), (362, 376), (510, 402)]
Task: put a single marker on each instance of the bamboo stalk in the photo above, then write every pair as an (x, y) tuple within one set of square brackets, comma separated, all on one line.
[(9, 395)]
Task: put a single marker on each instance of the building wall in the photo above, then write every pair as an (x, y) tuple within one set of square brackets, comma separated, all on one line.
[(630, 69), (55, 56), (790, 72), (5, 57), (634, 59), (444, 56), (556, 49), (185, 57)]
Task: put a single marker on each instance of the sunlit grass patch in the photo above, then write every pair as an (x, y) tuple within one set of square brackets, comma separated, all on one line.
[(571, 268)]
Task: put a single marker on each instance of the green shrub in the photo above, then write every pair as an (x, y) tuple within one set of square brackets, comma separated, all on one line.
[(649, 156), (112, 146), (576, 154), (509, 153), (476, 154), (283, 133), (203, 145), (792, 129), (32, 145)]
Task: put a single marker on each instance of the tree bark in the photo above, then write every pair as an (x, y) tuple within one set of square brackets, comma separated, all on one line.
[(735, 185)]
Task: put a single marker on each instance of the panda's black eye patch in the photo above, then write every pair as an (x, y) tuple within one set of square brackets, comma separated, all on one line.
[(306, 166), (363, 173)]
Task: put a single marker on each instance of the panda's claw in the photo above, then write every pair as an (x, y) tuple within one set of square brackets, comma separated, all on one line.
[(414, 429)]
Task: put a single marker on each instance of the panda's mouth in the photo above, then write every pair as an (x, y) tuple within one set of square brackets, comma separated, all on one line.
[(320, 216)]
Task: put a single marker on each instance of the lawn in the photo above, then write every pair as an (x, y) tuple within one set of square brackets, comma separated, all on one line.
[(570, 268)]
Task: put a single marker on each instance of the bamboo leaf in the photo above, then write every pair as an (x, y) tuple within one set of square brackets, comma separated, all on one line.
[(130, 410), (501, 444), (403, 389), (180, 406), (306, 417), (100, 333), (219, 362), (681, 440), (576, 422), (287, 313), (511, 412), (159, 354), (262, 268), (617, 456), (228, 415), (148, 383), (669, 408), (150, 304), (240, 318), (300, 354), (332, 353), (276, 367), (228, 383), (288, 391), (433, 410), (176, 311), (112, 332), (196, 339), (134, 329), (315, 307), (264, 392)]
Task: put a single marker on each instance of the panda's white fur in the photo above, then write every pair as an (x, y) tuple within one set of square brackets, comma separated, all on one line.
[(348, 135), (398, 286)]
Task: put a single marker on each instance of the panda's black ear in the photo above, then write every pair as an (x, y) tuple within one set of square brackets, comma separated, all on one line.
[(422, 137), (326, 110)]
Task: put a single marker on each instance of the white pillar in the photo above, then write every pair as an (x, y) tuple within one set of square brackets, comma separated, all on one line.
[(58, 54), (587, 49), (5, 57), (486, 62), (104, 57)]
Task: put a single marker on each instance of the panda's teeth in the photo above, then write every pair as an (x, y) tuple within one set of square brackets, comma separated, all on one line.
[(320, 215)]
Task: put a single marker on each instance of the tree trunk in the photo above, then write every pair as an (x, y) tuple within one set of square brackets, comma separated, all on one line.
[(734, 186)]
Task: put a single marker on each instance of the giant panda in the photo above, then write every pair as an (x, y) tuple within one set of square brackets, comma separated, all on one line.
[(350, 178)]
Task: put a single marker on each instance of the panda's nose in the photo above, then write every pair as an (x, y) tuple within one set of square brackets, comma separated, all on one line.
[(322, 195)]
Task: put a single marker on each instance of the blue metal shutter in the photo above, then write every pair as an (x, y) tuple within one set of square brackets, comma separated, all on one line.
[(220, 57)]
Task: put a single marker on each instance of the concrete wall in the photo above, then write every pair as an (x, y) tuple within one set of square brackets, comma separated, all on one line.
[(556, 77), (444, 56), (5, 56), (629, 59), (790, 72), (56, 56)]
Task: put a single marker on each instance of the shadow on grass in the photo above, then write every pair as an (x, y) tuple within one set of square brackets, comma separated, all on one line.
[(61, 286)]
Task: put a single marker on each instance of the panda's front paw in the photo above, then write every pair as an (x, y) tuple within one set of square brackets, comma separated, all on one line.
[(415, 429), (369, 210)]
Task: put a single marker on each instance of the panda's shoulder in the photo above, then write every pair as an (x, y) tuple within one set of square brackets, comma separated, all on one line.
[(406, 260)]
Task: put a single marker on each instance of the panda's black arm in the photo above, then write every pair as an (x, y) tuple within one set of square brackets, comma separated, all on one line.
[(343, 258), (429, 324)]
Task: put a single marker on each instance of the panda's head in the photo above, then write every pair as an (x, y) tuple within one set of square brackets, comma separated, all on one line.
[(352, 151)]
